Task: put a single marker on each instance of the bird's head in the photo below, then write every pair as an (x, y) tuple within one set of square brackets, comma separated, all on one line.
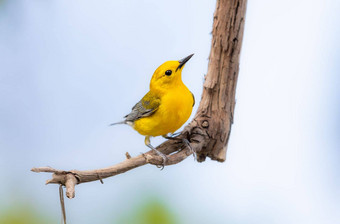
[(169, 74)]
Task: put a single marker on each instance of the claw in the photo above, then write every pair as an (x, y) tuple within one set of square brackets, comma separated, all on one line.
[(163, 157), (187, 144), (184, 141), (148, 144)]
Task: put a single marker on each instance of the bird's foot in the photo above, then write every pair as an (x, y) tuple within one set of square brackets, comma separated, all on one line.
[(165, 159), (185, 142)]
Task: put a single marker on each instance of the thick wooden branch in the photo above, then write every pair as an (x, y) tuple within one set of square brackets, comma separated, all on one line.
[(216, 109), (209, 131)]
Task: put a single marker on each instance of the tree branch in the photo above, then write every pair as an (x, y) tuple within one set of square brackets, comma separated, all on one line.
[(170, 148), (209, 131)]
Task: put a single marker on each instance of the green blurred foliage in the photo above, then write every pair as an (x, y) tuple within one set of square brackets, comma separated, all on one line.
[(152, 211), (22, 214)]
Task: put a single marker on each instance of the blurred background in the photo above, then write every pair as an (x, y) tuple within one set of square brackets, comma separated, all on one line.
[(70, 68)]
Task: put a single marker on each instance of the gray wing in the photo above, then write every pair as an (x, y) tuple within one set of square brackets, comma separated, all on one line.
[(144, 108)]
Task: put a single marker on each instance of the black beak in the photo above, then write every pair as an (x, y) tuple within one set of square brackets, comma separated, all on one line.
[(183, 61)]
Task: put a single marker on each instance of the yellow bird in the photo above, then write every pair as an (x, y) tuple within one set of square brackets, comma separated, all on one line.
[(166, 107)]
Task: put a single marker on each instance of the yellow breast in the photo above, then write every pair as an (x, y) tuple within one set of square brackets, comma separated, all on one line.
[(174, 110)]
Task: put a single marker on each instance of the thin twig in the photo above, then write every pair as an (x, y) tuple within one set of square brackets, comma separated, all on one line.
[(62, 203)]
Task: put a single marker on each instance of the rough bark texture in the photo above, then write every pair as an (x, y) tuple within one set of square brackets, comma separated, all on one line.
[(216, 110), (209, 131)]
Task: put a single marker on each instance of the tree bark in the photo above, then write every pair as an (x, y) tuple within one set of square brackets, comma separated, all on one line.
[(215, 114), (209, 131)]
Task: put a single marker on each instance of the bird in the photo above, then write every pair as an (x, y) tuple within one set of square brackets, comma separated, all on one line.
[(165, 108)]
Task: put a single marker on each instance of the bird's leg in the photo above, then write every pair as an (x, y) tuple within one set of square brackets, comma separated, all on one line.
[(148, 144), (183, 140)]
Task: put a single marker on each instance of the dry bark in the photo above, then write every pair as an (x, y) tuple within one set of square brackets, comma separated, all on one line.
[(208, 133)]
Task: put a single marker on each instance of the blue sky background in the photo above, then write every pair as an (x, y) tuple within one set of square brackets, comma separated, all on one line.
[(70, 68)]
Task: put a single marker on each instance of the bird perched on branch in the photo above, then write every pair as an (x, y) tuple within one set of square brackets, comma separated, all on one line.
[(165, 108)]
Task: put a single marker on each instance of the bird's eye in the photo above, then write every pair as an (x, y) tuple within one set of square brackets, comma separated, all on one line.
[(168, 72)]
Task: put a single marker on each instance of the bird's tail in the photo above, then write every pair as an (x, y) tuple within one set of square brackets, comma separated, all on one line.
[(121, 122)]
